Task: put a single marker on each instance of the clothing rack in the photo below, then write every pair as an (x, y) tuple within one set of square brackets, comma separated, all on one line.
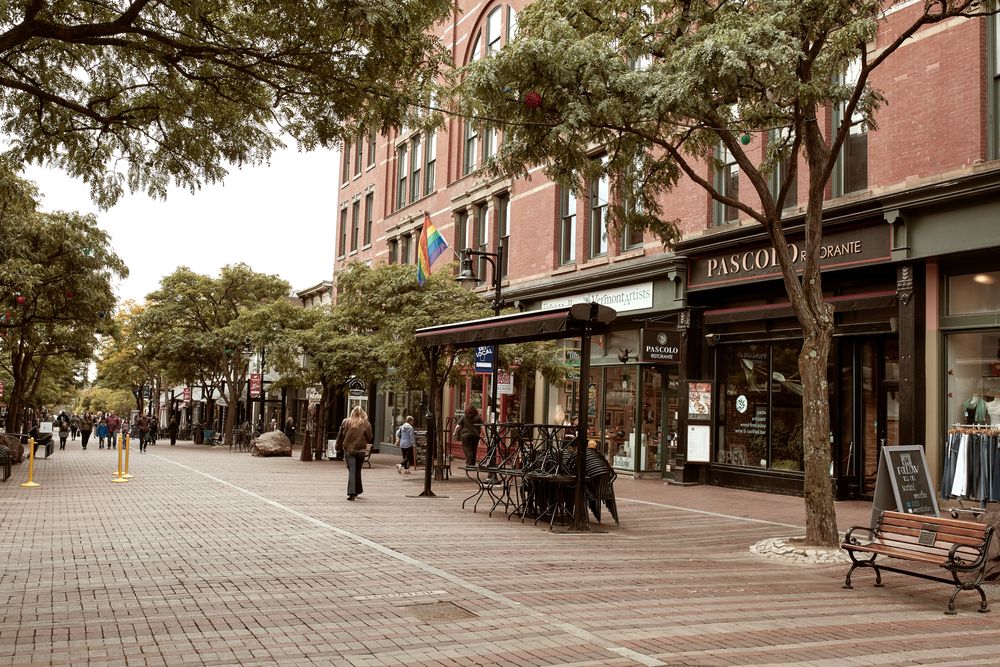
[(972, 463)]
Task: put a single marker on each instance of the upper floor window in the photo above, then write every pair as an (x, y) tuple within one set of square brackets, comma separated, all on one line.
[(632, 236), (342, 237), (402, 171), (404, 249), (480, 235), (511, 23), (727, 183), (345, 167), (491, 136), (567, 226), (430, 162), (494, 30), (503, 231), (355, 223), (394, 251), (471, 158), (372, 138), (598, 241), (416, 165), (461, 231), (359, 148), (851, 174), (784, 170), (477, 48), (369, 214)]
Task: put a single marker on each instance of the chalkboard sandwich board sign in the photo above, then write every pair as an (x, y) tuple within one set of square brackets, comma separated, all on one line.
[(904, 483)]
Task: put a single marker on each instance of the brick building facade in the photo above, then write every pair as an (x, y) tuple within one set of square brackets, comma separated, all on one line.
[(912, 243)]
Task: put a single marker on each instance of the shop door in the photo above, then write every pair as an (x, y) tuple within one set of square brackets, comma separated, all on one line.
[(869, 412)]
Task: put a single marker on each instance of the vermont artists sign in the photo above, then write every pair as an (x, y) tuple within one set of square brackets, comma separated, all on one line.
[(840, 249)]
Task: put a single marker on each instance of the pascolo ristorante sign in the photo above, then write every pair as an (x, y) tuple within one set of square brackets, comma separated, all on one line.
[(840, 249)]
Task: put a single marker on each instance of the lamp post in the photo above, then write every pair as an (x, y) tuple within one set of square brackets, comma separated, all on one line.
[(467, 277)]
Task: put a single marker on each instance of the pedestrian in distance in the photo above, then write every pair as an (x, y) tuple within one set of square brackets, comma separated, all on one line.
[(406, 438), (289, 430), (86, 427), (172, 430), (102, 431), (468, 431), (74, 426), (142, 424), (63, 432), (114, 424), (354, 436), (154, 430)]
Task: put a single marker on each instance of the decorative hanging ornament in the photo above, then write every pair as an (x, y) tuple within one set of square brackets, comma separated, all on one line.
[(20, 299), (70, 294), (745, 138), (533, 100)]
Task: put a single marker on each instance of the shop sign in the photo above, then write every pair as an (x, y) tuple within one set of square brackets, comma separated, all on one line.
[(484, 358), (660, 347), (355, 386), (699, 400), (1, 389), (45, 427), (505, 383), (903, 482), (255, 385), (622, 299), (839, 249), (187, 397), (313, 395)]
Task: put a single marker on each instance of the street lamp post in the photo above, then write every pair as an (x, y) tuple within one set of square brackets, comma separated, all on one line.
[(467, 276)]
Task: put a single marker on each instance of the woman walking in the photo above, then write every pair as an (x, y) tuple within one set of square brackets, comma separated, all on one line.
[(172, 431), (86, 427), (468, 430), (353, 437)]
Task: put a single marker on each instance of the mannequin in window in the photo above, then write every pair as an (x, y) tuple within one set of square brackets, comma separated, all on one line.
[(993, 408), (974, 410)]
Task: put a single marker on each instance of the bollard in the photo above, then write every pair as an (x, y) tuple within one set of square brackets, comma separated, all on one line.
[(127, 439), (119, 478), (30, 484)]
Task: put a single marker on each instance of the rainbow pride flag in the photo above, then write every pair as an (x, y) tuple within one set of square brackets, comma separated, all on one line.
[(430, 247)]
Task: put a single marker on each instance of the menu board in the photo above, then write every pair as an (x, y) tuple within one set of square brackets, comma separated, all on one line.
[(904, 482), (700, 401)]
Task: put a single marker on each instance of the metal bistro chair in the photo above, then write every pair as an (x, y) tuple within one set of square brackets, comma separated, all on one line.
[(484, 472), (599, 482)]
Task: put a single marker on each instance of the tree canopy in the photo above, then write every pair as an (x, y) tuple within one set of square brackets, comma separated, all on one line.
[(658, 90), (135, 94)]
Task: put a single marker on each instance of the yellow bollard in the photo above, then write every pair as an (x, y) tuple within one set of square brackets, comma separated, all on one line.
[(128, 441), (31, 466), (119, 478)]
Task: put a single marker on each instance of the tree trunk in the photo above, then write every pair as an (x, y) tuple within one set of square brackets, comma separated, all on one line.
[(821, 517), (230, 416)]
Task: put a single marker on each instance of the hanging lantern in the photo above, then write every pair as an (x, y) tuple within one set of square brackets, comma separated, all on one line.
[(20, 299), (533, 100), (745, 138), (70, 294)]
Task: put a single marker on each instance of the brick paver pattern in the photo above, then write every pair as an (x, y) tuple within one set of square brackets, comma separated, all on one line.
[(211, 557)]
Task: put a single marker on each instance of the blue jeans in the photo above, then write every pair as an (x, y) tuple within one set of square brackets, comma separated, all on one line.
[(354, 462)]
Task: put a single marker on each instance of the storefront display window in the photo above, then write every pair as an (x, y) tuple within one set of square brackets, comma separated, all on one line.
[(974, 377), (760, 407), (974, 293), (621, 441)]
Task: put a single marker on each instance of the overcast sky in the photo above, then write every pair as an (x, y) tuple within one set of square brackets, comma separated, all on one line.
[(278, 219)]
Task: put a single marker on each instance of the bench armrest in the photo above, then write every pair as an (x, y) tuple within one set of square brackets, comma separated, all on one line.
[(963, 565), (849, 538)]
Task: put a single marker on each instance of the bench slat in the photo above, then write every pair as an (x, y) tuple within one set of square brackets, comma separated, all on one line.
[(886, 550), (956, 527)]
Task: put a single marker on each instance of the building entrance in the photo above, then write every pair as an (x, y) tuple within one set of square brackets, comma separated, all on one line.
[(867, 417)]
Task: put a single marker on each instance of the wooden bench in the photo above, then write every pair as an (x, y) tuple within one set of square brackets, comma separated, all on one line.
[(960, 547)]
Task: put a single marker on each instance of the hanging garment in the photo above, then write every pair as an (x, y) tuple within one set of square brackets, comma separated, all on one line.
[(950, 461), (961, 468)]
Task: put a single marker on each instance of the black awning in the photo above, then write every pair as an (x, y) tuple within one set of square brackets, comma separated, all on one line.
[(519, 328)]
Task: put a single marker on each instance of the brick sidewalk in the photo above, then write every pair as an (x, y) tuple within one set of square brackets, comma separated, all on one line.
[(215, 558)]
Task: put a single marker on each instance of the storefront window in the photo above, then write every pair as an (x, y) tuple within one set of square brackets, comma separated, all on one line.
[(621, 442), (745, 409), (658, 415), (974, 293), (786, 407), (974, 378)]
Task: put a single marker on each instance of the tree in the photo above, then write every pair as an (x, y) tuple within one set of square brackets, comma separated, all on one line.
[(141, 92), (662, 85), (126, 360), (202, 328), (55, 291)]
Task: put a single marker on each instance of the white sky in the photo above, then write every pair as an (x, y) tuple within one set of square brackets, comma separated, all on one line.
[(278, 219)]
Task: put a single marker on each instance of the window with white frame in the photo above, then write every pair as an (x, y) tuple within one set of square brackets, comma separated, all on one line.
[(471, 157), (503, 230), (480, 235), (355, 223), (567, 226), (342, 236), (404, 249), (461, 230), (598, 238), (491, 136), (851, 174), (727, 183), (784, 169), (372, 139), (416, 165), (494, 30), (402, 171), (430, 162), (359, 151), (345, 167), (477, 48), (632, 236), (511, 23), (369, 215), (393, 251)]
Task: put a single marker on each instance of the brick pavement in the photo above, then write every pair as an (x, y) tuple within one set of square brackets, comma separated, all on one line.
[(215, 558)]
